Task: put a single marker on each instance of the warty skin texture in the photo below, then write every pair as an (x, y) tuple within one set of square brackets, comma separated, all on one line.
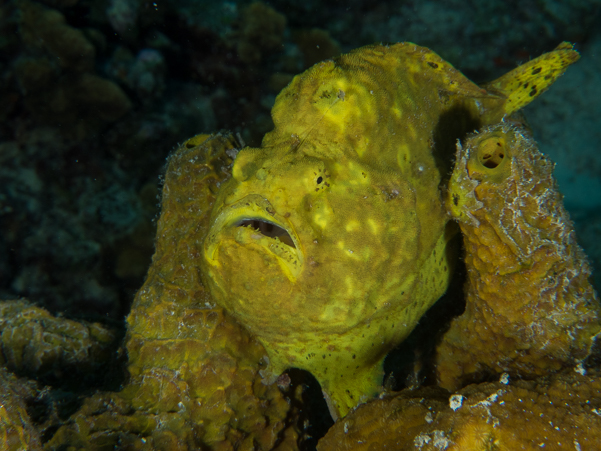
[(349, 180)]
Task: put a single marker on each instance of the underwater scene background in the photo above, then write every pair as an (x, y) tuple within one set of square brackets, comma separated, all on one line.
[(96, 94)]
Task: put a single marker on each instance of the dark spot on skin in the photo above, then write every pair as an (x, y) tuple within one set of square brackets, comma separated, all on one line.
[(455, 199), (327, 184), (526, 85), (432, 65), (548, 77), (341, 95), (287, 214), (353, 356), (533, 92), (536, 70), (324, 356), (319, 179)]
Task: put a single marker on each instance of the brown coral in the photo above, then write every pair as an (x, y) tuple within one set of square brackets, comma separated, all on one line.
[(530, 306), (556, 412), (34, 342), (46, 29), (261, 32), (55, 74)]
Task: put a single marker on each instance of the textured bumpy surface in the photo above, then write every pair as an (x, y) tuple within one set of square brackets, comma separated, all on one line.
[(530, 306), (328, 243), (35, 343), (16, 429), (194, 379), (558, 412)]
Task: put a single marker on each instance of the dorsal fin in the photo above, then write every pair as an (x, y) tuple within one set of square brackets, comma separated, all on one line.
[(526, 82)]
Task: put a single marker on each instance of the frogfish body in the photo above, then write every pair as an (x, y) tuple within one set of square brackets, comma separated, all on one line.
[(331, 240)]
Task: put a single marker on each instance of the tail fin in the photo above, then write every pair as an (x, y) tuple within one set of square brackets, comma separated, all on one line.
[(528, 81)]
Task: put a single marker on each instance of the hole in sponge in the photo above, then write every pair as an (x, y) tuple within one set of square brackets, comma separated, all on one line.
[(492, 156)]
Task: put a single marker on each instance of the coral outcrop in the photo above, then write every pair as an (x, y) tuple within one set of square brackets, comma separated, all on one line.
[(56, 74), (37, 344)]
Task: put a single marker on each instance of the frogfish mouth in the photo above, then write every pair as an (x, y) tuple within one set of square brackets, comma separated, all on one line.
[(253, 224)]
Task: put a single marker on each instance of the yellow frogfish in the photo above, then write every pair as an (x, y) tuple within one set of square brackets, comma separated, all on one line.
[(331, 240)]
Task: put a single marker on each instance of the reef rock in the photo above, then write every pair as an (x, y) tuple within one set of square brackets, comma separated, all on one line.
[(37, 344)]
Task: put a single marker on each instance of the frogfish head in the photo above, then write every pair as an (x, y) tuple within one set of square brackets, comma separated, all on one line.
[(307, 243), (317, 257)]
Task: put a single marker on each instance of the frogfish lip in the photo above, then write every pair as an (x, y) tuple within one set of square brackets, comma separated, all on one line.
[(253, 221)]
